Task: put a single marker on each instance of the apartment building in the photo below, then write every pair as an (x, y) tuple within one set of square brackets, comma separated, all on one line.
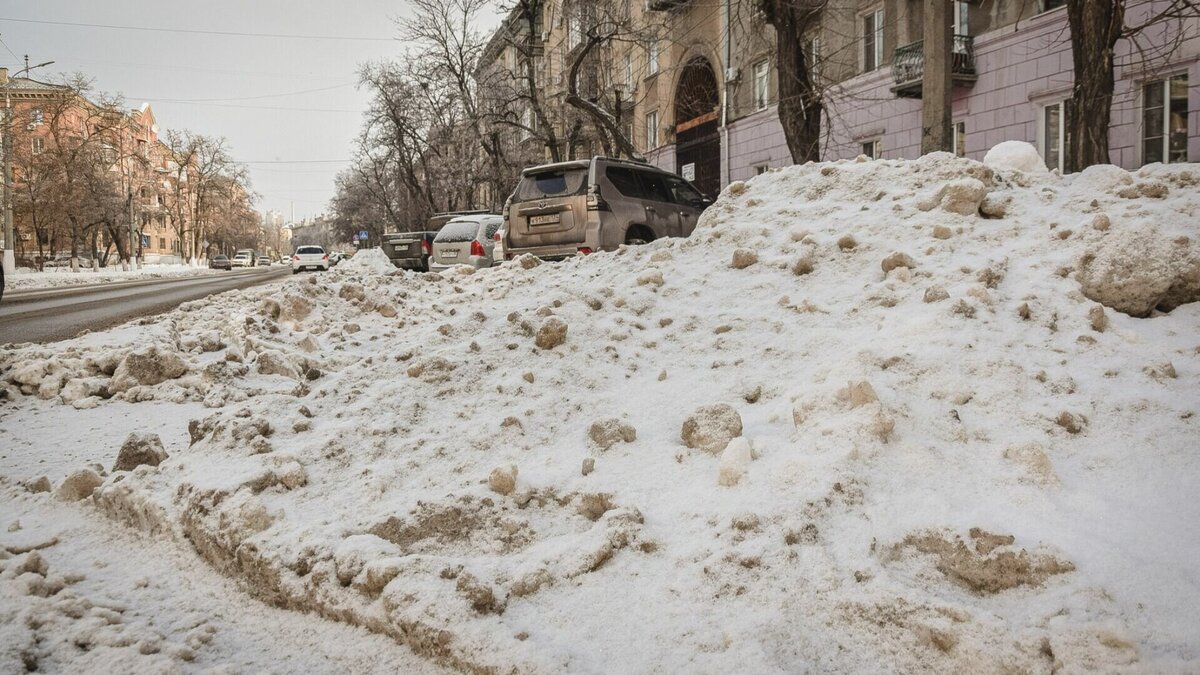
[(46, 117), (695, 85)]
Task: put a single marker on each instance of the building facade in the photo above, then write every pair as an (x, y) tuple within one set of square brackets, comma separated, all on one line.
[(695, 86)]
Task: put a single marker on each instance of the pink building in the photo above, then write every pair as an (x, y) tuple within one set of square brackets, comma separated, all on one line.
[(1013, 78)]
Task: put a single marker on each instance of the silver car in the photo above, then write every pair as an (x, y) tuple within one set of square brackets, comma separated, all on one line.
[(466, 240)]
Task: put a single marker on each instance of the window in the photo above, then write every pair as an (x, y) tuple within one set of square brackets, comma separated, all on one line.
[(529, 122), (628, 72), (162, 243), (652, 57), (761, 169), (654, 187), (39, 145), (652, 130), (1047, 5), (762, 81), (961, 24), (625, 180), (872, 40), (872, 149), (683, 193), (814, 57), (960, 139), (1051, 135), (1164, 120)]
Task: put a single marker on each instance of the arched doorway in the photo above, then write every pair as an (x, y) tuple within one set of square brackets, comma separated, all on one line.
[(697, 116)]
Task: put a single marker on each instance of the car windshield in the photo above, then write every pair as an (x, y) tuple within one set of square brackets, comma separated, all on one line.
[(310, 250), (220, 257), (457, 230), (557, 183)]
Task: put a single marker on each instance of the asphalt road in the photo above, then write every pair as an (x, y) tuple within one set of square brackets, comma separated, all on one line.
[(46, 315)]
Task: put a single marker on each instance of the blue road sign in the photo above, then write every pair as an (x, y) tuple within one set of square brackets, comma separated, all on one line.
[(362, 235)]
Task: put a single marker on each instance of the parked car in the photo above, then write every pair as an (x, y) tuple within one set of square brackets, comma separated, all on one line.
[(560, 210), (466, 240), (220, 262), (309, 257), (411, 250), (243, 259), (264, 261)]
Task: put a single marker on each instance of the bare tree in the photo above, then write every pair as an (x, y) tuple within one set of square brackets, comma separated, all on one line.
[(1096, 28), (800, 100)]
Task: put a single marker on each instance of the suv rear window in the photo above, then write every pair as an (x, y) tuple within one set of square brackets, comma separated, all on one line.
[(310, 250), (457, 230), (561, 183)]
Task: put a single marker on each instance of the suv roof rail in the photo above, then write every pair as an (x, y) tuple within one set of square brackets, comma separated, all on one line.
[(624, 160)]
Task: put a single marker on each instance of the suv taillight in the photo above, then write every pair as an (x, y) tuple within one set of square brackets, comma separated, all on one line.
[(426, 247), (325, 257), (295, 257), (595, 202), (477, 249)]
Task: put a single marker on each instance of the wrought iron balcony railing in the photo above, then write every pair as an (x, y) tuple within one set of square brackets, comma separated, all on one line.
[(908, 65)]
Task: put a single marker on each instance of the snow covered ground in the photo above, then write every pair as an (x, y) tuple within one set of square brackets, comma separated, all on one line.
[(28, 279), (950, 451)]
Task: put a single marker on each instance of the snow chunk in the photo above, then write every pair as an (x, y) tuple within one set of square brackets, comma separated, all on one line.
[(734, 461), (1015, 156), (711, 427), (139, 449)]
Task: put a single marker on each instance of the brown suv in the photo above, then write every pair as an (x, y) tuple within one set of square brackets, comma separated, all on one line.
[(559, 210)]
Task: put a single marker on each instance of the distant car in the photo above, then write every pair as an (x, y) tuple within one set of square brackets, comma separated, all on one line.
[(264, 261), (336, 257), (220, 262), (466, 240), (309, 257), (242, 260)]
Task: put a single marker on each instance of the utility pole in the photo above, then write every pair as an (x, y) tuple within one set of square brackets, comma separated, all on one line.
[(936, 78)]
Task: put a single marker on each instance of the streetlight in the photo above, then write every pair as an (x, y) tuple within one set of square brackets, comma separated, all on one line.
[(10, 259)]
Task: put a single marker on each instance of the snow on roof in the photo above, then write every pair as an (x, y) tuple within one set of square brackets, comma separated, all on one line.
[(947, 452)]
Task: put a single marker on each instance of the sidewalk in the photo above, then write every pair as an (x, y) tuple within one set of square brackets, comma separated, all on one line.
[(26, 278)]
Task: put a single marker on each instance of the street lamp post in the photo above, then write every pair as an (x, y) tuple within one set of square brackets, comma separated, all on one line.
[(10, 258)]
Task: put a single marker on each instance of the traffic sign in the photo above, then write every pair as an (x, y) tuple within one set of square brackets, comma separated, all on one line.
[(362, 235)]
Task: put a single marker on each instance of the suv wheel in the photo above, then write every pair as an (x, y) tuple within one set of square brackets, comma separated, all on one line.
[(638, 235)]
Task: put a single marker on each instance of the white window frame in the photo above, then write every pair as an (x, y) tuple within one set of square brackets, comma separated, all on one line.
[(960, 139), (762, 84), (651, 130), (961, 19), (760, 169), (877, 18), (652, 57), (38, 145), (629, 72), (1165, 122), (876, 148), (1061, 146)]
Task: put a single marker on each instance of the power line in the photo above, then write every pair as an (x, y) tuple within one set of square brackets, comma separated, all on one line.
[(10, 51), (201, 32)]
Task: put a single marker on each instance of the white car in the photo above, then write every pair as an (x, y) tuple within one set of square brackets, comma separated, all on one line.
[(242, 260), (312, 257), (465, 240), (498, 246)]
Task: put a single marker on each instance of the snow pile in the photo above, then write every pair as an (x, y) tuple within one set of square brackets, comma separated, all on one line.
[(866, 414), (366, 261), (26, 278)]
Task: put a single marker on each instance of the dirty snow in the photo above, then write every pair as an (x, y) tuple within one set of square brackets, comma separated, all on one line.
[(942, 459)]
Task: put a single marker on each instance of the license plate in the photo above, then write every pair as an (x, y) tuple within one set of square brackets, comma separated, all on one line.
[(449, 254), (549, 219)]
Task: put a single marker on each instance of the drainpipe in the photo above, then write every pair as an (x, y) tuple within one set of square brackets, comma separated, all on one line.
[(725, 169)]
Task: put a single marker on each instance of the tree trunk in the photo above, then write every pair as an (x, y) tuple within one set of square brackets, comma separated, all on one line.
[(800, 104), (1095, 28)]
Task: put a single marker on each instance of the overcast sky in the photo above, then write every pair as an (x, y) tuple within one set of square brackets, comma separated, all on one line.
[(249, 82)]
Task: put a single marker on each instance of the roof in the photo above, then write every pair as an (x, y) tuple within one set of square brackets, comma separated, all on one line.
[(33, 86)]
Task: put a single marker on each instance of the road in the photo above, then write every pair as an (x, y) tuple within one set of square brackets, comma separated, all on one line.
[(46, 315)]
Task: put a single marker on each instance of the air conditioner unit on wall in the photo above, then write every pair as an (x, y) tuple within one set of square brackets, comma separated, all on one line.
[(545, 36), (732, 74)]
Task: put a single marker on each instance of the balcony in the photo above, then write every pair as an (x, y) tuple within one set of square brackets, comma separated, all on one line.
[(908, 66)]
